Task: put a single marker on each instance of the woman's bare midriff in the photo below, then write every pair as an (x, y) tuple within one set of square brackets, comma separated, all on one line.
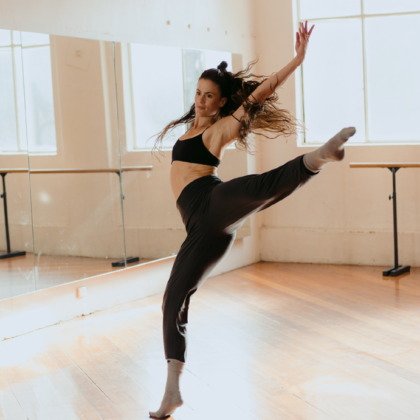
[(183, 173)]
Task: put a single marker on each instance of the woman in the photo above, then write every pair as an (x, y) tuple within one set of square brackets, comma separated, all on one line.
[(227, 107)]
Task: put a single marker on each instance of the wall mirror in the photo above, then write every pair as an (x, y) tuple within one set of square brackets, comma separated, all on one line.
[(156, 85), (67, 215), (16, 240), (74, 158), (84, 195)]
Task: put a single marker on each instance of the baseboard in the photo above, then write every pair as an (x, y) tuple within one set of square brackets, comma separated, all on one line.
[(305, 245)]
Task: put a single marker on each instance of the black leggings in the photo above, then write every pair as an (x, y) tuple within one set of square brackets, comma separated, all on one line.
[(212, 211)]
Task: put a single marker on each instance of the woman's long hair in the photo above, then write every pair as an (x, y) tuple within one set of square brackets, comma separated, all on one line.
[(237, 87)]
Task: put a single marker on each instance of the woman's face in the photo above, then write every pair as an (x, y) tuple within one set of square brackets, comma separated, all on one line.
[(208, 100)]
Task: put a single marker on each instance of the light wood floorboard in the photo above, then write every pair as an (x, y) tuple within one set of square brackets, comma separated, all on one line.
[(267, 341)]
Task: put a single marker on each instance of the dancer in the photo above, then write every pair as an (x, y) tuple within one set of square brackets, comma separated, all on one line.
[(227, 108)]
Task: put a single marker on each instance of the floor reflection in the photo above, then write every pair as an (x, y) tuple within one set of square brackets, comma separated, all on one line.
[(17, 275)]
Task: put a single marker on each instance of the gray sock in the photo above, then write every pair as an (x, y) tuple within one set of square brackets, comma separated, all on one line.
[(331, 151), (172, 398)]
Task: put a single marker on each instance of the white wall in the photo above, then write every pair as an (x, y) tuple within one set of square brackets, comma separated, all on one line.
[(343, 216), (141, 21)]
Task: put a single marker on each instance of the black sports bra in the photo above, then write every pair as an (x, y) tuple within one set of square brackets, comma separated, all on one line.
[(193, 150)]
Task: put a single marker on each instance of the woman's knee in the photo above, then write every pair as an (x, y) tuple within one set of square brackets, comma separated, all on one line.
[(176, 300)]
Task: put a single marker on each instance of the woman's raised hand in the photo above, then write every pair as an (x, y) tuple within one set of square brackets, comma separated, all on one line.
[(302, 39)]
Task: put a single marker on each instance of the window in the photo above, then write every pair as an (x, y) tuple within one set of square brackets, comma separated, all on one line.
[(25, 66), (12, 104), (159, 86), (40, 121), (360, 70)]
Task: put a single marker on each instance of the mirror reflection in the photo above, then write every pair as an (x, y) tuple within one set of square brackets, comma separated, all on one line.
[(73, 157), (16, 242), (84, 195), (156, 85)]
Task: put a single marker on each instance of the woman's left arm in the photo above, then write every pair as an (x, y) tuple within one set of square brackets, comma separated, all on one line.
[(228, 128), (278, 79)]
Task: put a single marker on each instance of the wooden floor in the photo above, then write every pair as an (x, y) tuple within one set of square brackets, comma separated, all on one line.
[(268, 341)]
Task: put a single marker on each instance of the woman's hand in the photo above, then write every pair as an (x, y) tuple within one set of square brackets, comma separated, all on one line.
[(302, 39)]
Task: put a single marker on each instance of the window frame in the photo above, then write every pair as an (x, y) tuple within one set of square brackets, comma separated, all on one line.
[(25, 150), (13, 46), (299, 85), (128, 100)]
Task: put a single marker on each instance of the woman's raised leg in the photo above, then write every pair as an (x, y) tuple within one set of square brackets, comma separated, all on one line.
[(232, 202)]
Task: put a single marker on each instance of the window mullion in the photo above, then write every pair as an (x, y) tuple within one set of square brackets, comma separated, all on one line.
[(35, 46), (302, 101), (19, 146), (367, 15), (364, 73)]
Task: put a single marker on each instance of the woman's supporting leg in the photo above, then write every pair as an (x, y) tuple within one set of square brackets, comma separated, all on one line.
[(199, 254), (172, 398)]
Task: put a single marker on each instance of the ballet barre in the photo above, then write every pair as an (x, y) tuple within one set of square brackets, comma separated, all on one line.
[(393, 167), (4, 172)]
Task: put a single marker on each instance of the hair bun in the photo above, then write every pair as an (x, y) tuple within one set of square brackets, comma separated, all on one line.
[(222, 66)]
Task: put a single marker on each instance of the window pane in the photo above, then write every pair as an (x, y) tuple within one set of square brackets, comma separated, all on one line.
[(16, 38), (39, 101), (32, 38), (333, 81), (5, 37), (8, 129), (310, 9), (157, 92), (391, 6), (393, 83), (193, 65)]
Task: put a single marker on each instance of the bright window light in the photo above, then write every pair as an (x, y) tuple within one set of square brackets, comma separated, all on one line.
[(157, 93), (391, 6), (26, 104), (361, 70), (310, 9), (152, 99), (333, 81), (39, 100), (8, 126), (393, 82)]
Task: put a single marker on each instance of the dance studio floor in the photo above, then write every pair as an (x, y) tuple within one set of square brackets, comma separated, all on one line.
[(267, 341)]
